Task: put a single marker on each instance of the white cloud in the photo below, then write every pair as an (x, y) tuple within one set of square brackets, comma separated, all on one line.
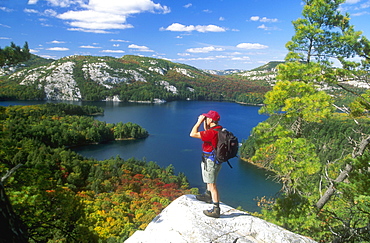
[(250, 46), (365, 5), (5, 9), (221, 58), (126, 7), (351, 5), (56, 42), (58, 49), (6, 26), (183, 54), (50, 12), (114, 40), (89, 31), (197, 59), (361, 13), (243, 58), (99, 15), (90, 47), (48, 56), (47, 12), (264, 27), (188, 5), (27, 10), (200, 28), (93, 20), (264, 19), (204, 49), (140, 48), (209, 28), (179, 27), (221, 18), (59, 3), (352, 1), (113, 51)]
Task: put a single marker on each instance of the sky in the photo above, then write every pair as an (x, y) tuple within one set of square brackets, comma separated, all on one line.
[(206, 34)]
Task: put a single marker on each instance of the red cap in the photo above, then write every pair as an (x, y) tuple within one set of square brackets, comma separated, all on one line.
[(213, 115)]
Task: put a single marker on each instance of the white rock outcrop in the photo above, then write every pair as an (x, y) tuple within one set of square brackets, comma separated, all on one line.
[(168, 87), (185, 72), (183, 221)]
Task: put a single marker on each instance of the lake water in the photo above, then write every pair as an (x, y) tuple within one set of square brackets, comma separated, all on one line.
[(169, 125)]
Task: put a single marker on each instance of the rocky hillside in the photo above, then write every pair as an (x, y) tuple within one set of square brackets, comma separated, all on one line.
[(130, 78), (223, 72)]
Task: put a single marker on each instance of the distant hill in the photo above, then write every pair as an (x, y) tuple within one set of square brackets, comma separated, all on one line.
[(271, 66), (34, 61), (130, 78), (37, 61), (223, 72)]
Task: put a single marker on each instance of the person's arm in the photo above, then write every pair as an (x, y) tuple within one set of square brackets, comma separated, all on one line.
[(195, 130), (205, 125)]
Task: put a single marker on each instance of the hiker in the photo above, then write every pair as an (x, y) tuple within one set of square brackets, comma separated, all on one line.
[(210, 167)]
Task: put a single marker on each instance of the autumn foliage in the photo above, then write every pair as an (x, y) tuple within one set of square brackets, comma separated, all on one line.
[(63, 197)]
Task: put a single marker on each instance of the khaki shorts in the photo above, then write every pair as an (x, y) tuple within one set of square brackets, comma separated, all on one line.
[(210, 171)]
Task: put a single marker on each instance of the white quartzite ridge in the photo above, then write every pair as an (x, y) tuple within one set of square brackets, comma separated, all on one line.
[(183, 221)]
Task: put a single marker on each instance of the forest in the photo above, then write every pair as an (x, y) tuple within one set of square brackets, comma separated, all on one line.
[(51, 194), (316, 139)]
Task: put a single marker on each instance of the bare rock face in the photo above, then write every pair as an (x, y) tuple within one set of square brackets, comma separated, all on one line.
[(183, 221)]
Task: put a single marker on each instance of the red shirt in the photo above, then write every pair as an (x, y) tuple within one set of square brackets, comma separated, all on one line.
[(208, 137)]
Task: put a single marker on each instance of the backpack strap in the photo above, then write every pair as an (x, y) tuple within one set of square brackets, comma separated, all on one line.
[(217, 128)]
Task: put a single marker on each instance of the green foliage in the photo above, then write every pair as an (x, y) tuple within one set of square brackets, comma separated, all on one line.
[(298, 99), (293, 160), (304, 166), (250, 98), (62, 124), (129, 130), (64, 197), (14, 54), (307, 145)]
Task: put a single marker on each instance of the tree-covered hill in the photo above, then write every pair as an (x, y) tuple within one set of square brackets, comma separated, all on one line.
[(130, 78), (35, 61), (50, 194), (271, 66)]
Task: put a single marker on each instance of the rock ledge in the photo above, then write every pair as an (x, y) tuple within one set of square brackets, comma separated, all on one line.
[(183, 221)]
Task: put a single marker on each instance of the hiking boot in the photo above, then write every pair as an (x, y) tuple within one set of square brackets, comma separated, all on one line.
[(214, 212), (205, 197)]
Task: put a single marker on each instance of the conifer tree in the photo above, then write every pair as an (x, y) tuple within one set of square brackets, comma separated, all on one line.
[(325, 51), (14, 54)]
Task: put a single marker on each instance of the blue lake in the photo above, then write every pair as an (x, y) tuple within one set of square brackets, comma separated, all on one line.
[(169, 125)]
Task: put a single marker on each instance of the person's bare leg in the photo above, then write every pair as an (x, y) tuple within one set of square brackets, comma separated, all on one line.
[(214, 192)]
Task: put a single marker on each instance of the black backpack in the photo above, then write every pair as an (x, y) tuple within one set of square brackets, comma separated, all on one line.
[(227, 146)]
